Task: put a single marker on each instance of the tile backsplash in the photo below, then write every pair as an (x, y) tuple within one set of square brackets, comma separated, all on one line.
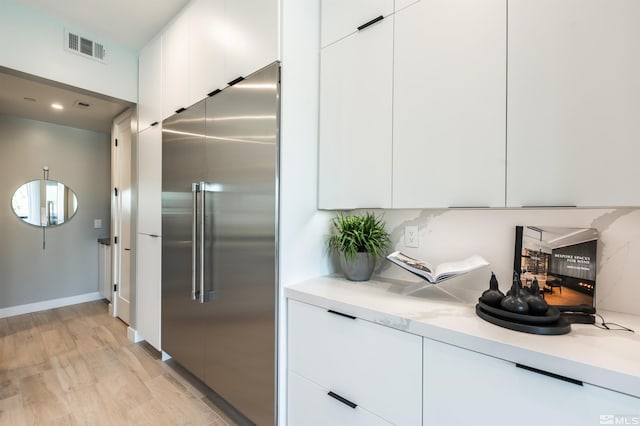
[(446, 235)]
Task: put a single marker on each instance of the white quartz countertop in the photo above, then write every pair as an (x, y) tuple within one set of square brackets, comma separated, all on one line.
[(606, 358)]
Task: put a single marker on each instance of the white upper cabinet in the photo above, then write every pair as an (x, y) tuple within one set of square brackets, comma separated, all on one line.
[(356, 78), (206, 49), (175, 57), (150, 84), (251, 39), (401, 4), (339, 18), (449, 104), (150, 181), (213, 42), (574, 103)]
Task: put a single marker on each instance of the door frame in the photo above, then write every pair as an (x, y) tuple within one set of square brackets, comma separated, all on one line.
[(122, 126)]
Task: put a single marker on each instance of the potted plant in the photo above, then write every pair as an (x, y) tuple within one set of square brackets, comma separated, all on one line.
[(359, 240)]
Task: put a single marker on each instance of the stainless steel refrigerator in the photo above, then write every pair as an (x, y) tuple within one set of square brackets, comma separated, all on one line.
[(219, 228)]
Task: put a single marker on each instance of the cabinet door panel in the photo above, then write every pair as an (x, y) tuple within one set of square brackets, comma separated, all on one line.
[(175, 57), (339, 18), (375, 366), (310, 405), (355, 120), (252, 36), (449, 104), (574, 103), (206, 49), (495, 391), (150, 181), (401, 4), (149, 265), (150, 84)]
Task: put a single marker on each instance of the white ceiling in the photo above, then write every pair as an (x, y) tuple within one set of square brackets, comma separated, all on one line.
[(130, 23), (41, 93)]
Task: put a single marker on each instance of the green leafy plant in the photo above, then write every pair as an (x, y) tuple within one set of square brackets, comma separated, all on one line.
[(359, 234)]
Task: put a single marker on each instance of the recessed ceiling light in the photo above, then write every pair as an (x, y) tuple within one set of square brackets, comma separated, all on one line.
[(56, 106)]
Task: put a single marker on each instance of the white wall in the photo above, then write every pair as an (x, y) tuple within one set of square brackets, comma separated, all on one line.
[(34, 43), (69, 264), (455, 234), (302, 227)]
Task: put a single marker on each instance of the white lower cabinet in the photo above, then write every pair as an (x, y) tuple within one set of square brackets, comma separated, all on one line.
[(376, 368), (149, 266), (312, 405), (462, 387)]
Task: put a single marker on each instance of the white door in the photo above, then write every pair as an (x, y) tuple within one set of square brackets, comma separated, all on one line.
[(121, 213)]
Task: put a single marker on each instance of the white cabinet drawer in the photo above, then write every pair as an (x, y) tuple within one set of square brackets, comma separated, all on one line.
[(376, 367), (340, 18), (493, 391), (311, 405)]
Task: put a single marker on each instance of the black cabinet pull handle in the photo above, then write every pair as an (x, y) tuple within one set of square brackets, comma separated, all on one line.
[(549, 374), (555, 206), (331, 311), (215, 92), (236, 81), (155, 123), (371, 22), (341, 399), (127, 249), (179, 110)]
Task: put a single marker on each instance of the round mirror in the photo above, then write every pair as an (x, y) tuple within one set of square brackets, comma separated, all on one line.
[(44, 203)]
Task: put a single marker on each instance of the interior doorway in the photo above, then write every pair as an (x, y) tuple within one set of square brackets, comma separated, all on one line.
[(121, 215)]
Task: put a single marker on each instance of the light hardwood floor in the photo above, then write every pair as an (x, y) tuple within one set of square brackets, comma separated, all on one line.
[(75, 366)]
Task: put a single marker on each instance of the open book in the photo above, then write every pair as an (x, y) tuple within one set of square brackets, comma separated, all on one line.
[(438, 273)]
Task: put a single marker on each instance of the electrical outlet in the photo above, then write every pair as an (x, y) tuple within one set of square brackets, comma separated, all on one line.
[(411, 238), (97, 223)]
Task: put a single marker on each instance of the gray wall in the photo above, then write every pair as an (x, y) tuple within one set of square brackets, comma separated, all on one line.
[(69, 266)]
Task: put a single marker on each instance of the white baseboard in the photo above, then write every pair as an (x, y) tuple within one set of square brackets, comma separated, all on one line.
[(49, 304), (133, 335)]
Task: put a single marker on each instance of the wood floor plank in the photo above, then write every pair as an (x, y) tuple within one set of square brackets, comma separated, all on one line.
[(73, 371), (75, 366), (11, 411), (57, 341), (86, 406)]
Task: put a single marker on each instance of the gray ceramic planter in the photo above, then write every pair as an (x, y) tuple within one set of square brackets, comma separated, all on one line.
[(359, 268)]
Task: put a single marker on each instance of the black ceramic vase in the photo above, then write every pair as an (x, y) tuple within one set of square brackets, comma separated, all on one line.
[(514, 302), (493, 296), (537, 305)]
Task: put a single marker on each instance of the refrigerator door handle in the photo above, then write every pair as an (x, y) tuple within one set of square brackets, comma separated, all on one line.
[(194, 238), (204, 295), (203, 204)]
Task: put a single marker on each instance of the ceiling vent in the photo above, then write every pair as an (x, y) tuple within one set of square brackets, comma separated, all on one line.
[(73, 42), (81, 104)]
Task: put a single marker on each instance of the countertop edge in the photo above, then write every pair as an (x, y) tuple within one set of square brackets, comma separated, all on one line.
[(562, 364)]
